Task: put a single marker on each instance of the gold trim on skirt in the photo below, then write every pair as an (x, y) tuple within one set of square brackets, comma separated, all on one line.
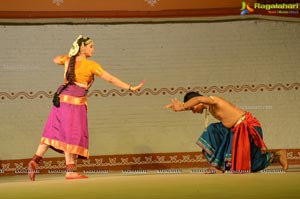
[(70, 148)]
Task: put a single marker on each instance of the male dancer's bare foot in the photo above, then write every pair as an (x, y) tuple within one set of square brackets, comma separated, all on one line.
[(282, 158), (213, 170)]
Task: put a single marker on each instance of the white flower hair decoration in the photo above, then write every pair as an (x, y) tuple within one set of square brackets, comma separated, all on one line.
[(75, 47)]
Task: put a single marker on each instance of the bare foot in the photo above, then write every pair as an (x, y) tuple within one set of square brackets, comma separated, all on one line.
[(213, 170), (282, 158), (32, 165), (75, 175)]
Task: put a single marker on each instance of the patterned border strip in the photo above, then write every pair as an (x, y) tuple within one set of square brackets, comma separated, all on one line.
[(133, 162), (161, 91)]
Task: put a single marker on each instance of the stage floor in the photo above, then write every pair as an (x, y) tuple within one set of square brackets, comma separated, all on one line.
[(156, 185)]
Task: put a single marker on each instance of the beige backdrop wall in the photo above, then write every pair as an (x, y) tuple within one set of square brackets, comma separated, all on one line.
[(253, 63)]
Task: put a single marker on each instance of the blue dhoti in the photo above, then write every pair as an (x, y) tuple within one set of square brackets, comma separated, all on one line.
[(216, 142)]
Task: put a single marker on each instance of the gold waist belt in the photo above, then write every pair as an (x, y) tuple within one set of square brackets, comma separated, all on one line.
[(73, 100)]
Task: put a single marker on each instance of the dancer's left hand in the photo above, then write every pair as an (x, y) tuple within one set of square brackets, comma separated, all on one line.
[(138, 87)]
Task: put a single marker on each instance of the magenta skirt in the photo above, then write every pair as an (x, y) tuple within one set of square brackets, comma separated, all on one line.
[(66, 129)]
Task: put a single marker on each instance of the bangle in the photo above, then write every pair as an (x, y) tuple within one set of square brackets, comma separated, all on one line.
[(183, 106), (62, 59)]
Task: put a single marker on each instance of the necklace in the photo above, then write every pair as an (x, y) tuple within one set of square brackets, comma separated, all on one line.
[(206, 117)]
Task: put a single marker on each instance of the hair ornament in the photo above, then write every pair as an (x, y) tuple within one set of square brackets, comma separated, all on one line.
[(75, 47)]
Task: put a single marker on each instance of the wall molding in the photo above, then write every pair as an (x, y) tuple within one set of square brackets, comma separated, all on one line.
[(30, 9)]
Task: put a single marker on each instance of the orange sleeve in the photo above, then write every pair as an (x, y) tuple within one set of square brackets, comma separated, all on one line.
[(97, 69)]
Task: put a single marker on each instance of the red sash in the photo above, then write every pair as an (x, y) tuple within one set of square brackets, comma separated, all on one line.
[(241, 160)]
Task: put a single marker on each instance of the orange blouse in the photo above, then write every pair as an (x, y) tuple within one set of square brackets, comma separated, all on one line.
[(85, 71)]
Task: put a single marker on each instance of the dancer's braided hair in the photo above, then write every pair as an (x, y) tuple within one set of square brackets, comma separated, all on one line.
[(70, 75)]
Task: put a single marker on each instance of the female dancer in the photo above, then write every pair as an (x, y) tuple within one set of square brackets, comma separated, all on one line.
[(66, 129)]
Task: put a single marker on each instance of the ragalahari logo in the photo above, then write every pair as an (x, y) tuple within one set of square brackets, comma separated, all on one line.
[(246, 8)]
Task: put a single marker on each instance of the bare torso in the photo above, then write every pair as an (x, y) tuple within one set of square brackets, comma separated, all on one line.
[(225, 112)]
